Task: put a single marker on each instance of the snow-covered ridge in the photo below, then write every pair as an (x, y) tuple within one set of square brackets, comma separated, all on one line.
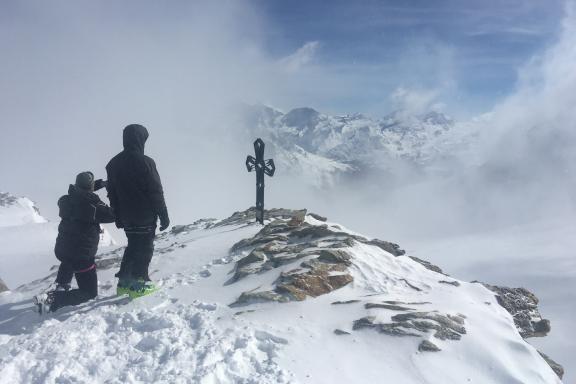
[(16, 211), (298, 300)]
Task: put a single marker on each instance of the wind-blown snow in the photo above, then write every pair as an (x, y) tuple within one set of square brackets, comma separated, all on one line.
[(187, 333)]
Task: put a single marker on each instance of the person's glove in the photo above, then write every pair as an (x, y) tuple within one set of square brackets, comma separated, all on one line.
[(99, 184), (119, 224), (164, 220)]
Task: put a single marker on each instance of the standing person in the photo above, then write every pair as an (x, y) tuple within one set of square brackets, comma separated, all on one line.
[(81, 211), (136, 195)]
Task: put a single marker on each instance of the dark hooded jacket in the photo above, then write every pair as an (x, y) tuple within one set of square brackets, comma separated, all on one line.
[(134, 186), (79, 231)]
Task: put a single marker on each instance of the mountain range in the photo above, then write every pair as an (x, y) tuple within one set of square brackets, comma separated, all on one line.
[(325, 147)]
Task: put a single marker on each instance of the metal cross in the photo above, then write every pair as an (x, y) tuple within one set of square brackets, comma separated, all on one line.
[(262, 167)]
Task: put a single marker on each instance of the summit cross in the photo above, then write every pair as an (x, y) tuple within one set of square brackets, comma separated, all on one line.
[(262, 167)]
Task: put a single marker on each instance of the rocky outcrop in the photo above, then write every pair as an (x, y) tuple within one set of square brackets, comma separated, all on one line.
[(417, 324), (317, 279), (428, 265), (3, 286), (523, 306), (557, 368), (288, 239), (428, 346), (249, 215)]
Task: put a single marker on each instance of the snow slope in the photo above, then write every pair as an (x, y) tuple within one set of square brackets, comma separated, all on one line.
[(537, 255), (187, 332)]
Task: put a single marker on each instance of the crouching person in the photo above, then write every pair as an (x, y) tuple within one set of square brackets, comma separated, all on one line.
[(81, 211)]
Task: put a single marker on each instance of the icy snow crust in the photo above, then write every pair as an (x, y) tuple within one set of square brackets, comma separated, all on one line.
[(187, 333)]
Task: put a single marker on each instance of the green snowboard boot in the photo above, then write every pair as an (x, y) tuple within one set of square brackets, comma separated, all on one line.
[(141, 288), (123, 287)]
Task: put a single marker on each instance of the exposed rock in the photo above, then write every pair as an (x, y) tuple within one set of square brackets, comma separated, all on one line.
[(428, 265), (391, 307), (252, 297), (316, 232), (336, 256), (243, 312), (341, 332), (284, 241), (315, 282), (298, 284), (403, 303), (202, 223), (557, 368), (249, 264), (454, 282), (254, 241), (345, 302), (249, 216), (297, 219), (392, 329), (447, 326), (3, 286), (318, 217), (428, 346), (387, 246), (411, 285), (523, 306)]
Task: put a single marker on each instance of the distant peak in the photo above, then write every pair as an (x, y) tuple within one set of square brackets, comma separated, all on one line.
[(301, 118), (16, 211)]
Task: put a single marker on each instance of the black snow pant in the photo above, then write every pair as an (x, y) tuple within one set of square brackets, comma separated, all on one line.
[(87, 285), (138, 253)]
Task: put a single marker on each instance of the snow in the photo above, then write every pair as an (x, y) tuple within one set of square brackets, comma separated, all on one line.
[(186, 332), (16, 211), (538, 256), (325, 146)]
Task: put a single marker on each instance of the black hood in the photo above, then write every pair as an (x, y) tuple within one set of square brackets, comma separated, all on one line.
[(135, 136)]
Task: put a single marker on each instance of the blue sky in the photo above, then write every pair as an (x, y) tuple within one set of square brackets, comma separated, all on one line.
[(470, 51)]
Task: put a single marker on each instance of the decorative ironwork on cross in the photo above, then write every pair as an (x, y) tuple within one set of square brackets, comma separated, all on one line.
[(262, 167)]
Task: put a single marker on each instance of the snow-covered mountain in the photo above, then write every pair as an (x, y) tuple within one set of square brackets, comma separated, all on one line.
[(16, 211), (298, 300), (307, 141)]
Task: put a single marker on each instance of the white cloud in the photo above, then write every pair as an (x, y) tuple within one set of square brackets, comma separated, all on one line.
[(414, 101), (303, 55)]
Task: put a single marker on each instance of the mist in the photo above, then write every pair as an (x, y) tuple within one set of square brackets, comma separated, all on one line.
[(518, 167), (75, 73)]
